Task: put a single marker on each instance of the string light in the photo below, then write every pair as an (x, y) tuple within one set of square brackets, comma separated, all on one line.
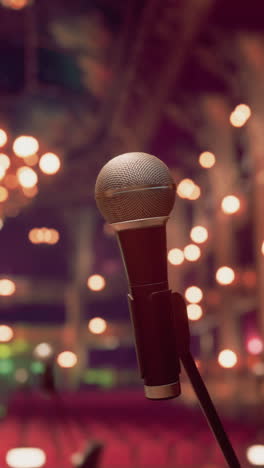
[(255, 345), (6, 333), (3, 137), (240, 115), (67, 359), (96, 283), (225, 275), (194, 311), (97, 325), (227, 358), (27, 177), (207, 159), (199, 234), (25, 457), (7, 287), (230, 204), (255, 455), (175, 256), (25, 146), (193, 294), (49, 163), (192, 252)]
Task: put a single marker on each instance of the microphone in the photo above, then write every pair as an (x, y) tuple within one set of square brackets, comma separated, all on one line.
[(135, 193)]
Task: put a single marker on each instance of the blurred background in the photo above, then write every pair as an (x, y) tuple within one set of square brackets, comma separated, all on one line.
[(81, 82)]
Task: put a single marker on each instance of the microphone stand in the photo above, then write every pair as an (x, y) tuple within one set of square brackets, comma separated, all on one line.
[(183, 347)]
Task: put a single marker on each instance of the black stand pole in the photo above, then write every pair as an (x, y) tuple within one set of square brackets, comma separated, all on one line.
[(183, 346)]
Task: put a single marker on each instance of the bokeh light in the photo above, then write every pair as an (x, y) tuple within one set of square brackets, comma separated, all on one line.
[(227, 358), (262, 248), (255, 455), (193, 294), (25, 146), (96, 282), (2, 172), (43, 350), (207, 159), (97, 325), (240, 115), (192, 252), (175, 256), (196, 193), (49, 163), (15, 4), (3, 137), (255, 345), (6, 333), (31, 191), (21, 375), (225, 275), (185, 188), (4, 161), (43, 236), (67, 359), (31, 160), (25, 457), (230, 204), (27, 177), (199, 234), (194, 311), (7, 287), (11, 181), (3, 194)]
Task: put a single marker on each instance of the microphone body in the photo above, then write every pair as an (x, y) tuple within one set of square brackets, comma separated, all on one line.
[(142, 241)]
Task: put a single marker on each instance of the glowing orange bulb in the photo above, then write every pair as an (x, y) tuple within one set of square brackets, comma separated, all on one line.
[(4, 161), (6, 333), (199, 234), (27, 177), (33, 236), (25, 146), (97, 325), (185, 188), (230, 204), (30, 192), (225, 275), (192, 252), (227, 358), (3, 138), (175, 256), (240, 115), (193, 294), (3, 194), (194, 311), (96, 283), (49, 163), (31, 160), (207, 159), (7, 287), (54, 236), (255, 345), (15, 4), (67, 359)]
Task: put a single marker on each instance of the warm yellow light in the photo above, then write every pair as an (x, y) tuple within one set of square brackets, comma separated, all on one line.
[(25, 457), (3, 137), (240, 115), (21, 375), (255, 455), (43, 350), (15, 4), (31, 160), (185, 188), (31, 191), (52, 237), (33, 236), (27, 177), (175, 256), (2, 172), (49, 163), (193, 294), (207, 159), (97, 325), (225, 275), (194, 311), (67, 359), (3, 194), (25, 146), (4, 161), (227, 358), (192, 252), (199, 234), (96, 283), (230, 204), (6, 333), (196, 193), (11, 181), (7, 287)]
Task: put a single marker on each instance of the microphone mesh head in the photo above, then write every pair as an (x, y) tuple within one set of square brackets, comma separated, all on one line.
[(134, 186)]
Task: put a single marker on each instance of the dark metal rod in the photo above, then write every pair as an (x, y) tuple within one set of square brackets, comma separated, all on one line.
[(209, 410)]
